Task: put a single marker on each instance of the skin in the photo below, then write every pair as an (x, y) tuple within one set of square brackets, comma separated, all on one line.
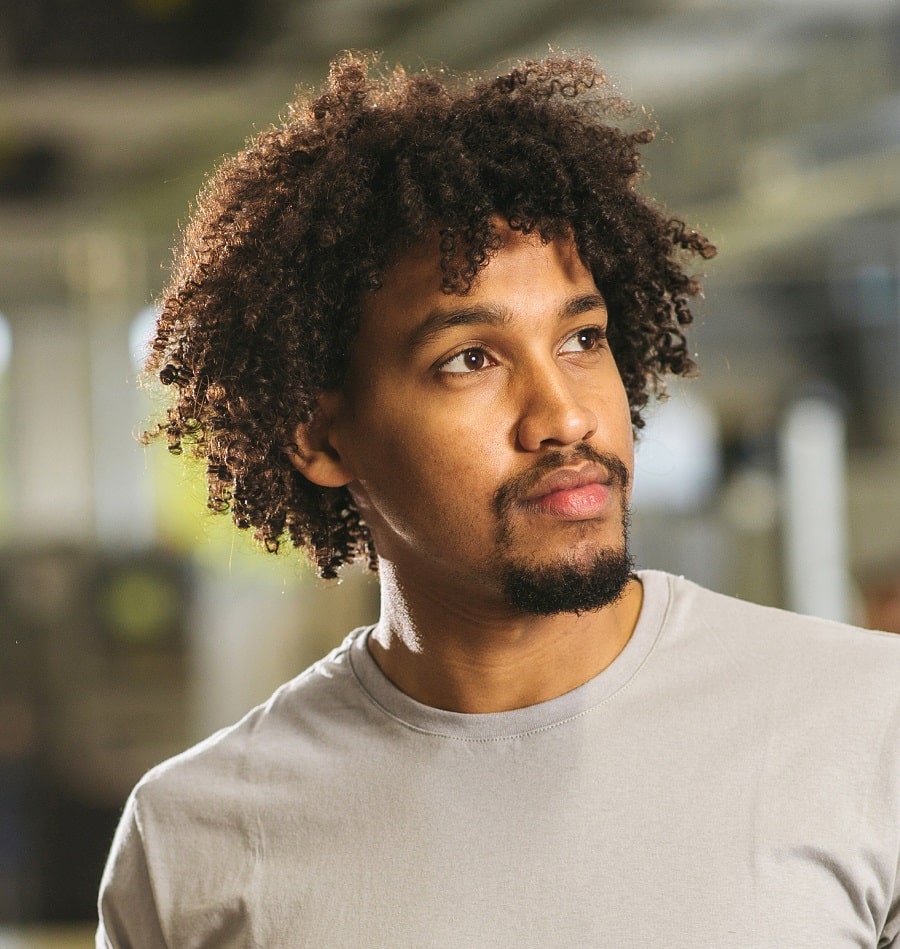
[(449, 398)]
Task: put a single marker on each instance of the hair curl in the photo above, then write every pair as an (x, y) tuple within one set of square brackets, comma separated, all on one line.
[(289, 235)]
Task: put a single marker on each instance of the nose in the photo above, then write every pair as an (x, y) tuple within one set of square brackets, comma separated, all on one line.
[(553, 412)]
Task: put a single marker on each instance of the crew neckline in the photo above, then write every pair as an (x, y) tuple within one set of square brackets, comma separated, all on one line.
[(495, 726)]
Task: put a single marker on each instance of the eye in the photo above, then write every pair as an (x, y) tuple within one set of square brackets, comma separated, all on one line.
[(469, 360), (585, 340)]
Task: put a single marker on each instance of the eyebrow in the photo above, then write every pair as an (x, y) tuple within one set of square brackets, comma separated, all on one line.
[(439, 320)]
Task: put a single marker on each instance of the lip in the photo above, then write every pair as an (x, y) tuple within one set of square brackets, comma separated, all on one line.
[(572, 494)]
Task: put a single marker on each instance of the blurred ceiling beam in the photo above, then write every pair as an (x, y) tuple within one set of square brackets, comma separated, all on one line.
[(733, 87), (763, 230)]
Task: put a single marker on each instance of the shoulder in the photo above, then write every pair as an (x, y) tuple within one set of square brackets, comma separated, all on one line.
[(775, 640), (799, 695), (181, 850), (272, 743)]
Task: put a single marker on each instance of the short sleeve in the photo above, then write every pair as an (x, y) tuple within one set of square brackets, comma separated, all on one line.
[(128, 916)]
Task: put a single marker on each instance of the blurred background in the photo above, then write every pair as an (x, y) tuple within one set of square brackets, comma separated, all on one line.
[(132, 623)]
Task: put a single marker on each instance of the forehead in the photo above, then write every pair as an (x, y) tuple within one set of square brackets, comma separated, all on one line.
[(524, 274)]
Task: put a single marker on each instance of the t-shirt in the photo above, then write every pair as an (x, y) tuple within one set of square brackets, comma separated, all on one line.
[(732, 779)]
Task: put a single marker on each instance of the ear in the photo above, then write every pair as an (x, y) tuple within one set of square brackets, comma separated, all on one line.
[(314, 453)]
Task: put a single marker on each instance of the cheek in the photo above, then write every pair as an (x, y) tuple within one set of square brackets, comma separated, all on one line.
[(609, 400), (625, 441), (416, 468)]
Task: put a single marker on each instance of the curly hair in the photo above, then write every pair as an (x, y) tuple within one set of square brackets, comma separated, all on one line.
[(290, 234)]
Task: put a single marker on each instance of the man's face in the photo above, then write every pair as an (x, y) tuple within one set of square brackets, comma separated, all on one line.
[(488, 436)]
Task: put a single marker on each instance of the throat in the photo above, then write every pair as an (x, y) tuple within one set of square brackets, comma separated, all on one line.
[(473, 666)]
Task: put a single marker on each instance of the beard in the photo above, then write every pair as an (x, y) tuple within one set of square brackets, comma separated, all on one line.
[(565, 585)]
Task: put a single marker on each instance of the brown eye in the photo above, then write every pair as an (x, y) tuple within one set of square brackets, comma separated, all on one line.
[(469, 360), (584, 340)]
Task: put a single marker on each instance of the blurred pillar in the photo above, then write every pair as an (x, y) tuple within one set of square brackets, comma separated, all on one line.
[(106, 276), (677, 472), (50, 435), (814, 479)]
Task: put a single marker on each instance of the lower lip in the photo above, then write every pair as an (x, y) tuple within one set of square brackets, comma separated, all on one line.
[(574, 504)]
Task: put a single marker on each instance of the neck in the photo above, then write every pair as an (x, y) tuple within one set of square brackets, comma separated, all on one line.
[(470, 658)]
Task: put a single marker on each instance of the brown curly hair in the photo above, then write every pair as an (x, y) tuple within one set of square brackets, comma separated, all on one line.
[(290, 234)]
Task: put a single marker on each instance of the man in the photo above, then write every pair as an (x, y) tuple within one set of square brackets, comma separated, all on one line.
[(417, 323)]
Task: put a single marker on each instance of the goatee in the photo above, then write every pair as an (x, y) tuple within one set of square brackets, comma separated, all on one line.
[(565, 585)]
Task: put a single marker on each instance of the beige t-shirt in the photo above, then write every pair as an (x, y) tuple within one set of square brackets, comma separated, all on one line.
[(731, 780)]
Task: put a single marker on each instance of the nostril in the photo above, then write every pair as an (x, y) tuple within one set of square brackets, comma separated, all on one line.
[(559, 421)]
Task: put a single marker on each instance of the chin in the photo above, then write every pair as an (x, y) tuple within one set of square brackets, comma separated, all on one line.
[(568, 587)]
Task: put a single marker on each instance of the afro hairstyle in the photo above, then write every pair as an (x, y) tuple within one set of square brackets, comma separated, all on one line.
[(288, 237)]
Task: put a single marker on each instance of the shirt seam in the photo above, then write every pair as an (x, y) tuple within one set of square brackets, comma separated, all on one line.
[(487, 739)]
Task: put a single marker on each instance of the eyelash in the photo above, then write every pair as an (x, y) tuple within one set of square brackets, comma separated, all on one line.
[(597, 332), (463, 352)]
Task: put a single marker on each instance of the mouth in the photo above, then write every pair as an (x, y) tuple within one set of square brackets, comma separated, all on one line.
[(572, 494), (583, 485)]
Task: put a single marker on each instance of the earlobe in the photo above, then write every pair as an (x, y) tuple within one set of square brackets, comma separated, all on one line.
[(313, 453)]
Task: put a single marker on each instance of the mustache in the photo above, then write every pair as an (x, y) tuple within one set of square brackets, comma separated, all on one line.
[(517, 487)]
